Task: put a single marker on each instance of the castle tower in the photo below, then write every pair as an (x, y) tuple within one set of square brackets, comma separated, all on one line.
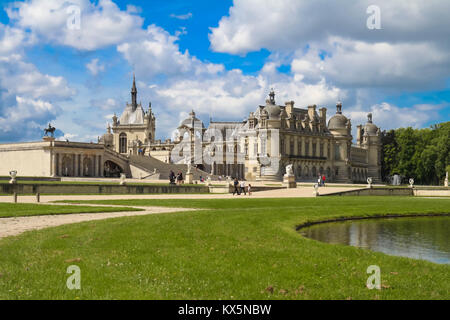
[(371, 140), (340, 127), (134, 94), (134, 131)]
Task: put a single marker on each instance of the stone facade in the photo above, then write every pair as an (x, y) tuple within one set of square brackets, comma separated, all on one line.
[(134, 131), (275, 136), (52, 158), (260, 148)]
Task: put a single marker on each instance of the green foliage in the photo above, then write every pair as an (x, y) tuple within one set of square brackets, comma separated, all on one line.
[(422, 154)]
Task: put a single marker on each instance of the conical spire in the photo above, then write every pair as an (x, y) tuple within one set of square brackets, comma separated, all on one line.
[(134, 93)]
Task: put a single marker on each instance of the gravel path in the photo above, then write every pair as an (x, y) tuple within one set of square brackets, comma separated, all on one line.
[(15, 226)]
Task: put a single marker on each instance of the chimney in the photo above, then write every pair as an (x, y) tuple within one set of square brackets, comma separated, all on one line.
[(312, 112), (290, 108), (359, 135), (323, 114)]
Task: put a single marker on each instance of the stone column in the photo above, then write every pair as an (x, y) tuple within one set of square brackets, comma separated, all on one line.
[(302, 151), (318, 147), (53, 164), (79, 165), (310, 151), (95, 166), (295, 146), (75, 165), (102, 166), (60, 158)]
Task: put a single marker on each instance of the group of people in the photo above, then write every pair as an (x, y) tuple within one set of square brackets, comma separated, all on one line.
[(239, 187), (321, 180), (176, 179)]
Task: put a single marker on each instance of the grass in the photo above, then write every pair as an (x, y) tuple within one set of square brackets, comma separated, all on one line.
[(233, 249), (11, 210)]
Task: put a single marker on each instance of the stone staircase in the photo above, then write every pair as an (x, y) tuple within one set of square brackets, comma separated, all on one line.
[(163, 169)]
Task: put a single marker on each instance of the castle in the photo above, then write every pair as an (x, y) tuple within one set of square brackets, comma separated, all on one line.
[(259, 148)]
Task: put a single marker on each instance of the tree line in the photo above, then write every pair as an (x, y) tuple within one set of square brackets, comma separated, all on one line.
[(422, 154)]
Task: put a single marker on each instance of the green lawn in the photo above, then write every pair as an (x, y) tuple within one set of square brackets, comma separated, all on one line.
[(10, 210), (233, 249)]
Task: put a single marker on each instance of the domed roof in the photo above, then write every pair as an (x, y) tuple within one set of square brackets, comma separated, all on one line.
[(191, 120), (108, 138), (273, 111), (338, 121), (370, 128)]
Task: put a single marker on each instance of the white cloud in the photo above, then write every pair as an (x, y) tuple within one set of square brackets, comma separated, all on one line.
[(362, 64), (158, 53), (28, 98), (105, 104), (102, 24), (186, 16), (25, 114), (94, 67), (388, 116), (25, 80), (410, 51), (291, 24)]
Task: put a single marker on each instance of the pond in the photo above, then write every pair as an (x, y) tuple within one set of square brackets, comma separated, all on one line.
[(426, 238)]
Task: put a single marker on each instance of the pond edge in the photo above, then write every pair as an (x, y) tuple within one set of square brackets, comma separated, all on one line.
[(382, 216)]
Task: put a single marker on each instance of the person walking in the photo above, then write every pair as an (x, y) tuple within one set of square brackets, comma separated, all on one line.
[(181, 177), (323, 180), (236, 184), (319, 181), (172, 177), (249, 189), (243, 187)]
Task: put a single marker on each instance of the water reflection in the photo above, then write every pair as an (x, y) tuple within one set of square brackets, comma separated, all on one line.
[(424, 238)]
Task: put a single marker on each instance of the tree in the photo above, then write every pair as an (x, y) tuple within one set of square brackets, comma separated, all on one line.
[(422, 154)]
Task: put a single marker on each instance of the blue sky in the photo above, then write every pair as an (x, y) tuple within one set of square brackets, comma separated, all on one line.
[(219, 58)]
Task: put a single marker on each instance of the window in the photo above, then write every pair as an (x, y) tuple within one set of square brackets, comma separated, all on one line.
[(314, 149), (292, 148), (321, 150), (307, 149), (299, 152), (123, 143), (337, 152)]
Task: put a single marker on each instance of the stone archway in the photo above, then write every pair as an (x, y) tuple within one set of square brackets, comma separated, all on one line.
[(67, 166), (112, 169), (314, 172), (306, 172), (88, 167)]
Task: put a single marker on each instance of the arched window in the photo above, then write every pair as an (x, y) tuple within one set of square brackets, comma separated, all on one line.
[(123, 143)]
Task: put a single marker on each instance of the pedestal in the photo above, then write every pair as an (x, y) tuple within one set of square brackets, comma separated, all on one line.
[(289, 182), (48, 138), (189, 178), (123, 178), (446, 183)]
